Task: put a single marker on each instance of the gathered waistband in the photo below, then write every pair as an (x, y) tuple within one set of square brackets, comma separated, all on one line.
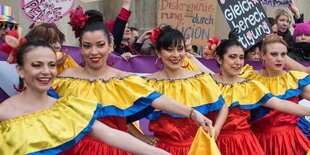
[(278, 129), (172, 142)]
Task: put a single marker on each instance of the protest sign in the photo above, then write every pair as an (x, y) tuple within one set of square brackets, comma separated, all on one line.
[(194, 18), (276, 3), (48, 11), (249, 18)]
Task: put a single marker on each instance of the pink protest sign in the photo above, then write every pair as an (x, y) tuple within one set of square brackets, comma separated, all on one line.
[(48, 11)]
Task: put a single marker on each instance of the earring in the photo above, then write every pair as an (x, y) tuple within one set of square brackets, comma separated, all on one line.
[(158, 65), (110, 63), (19, 90), (220, 72), (82, 64), (263, 65)]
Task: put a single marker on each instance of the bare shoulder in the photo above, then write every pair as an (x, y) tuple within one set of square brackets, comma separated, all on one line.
[(119, 73), (190, 72), (154, 75), (71, 71), (7, 108)]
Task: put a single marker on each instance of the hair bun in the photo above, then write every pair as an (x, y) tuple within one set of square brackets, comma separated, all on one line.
[(233, 34), (94, 16)]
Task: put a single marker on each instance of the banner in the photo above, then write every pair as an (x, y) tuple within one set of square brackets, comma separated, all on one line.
[(276, 3), (194, 18), (248, 16), (48, 11)]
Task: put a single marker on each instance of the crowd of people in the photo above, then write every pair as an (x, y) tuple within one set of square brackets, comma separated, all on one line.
[(62, 107)]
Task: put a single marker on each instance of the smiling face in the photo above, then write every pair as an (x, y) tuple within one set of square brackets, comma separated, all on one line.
[(56, 45), (95, 48), (172, 57), (39, 68), (274, 56), (232, 61)]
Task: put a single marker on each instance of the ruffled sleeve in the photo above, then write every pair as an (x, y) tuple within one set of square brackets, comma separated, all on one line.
[(68, 63), (199, 92), (283, 86), (248, 72), (49, 131), (248, 94), (124, 97)]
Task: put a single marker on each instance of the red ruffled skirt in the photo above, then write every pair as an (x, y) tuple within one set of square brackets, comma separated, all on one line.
[(175, 148), (284, 140), (239, 142), (91, 146)]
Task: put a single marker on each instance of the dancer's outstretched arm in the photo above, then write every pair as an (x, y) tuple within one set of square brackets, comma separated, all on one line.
[(122, 140)]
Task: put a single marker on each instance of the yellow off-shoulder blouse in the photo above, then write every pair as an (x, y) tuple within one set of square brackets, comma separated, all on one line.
[(49, 131), (283, 86), (119, 96), (248, 94), (199, 91)]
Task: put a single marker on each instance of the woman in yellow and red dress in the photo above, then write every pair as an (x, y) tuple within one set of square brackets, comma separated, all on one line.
[(276, 131), (175, 133)]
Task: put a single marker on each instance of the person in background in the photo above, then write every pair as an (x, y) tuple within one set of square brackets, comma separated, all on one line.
[(301, 47), (284, 20), (273, 25), (51, 34), (121, 32), (253, 53), (197, 52), (7, 21), (134, 35), (137, 45)]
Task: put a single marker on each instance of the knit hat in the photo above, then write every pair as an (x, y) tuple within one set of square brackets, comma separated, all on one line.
[(6, 14), (301, 28)]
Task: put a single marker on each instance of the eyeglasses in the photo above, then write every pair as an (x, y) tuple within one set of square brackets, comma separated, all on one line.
[(5, 25)]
